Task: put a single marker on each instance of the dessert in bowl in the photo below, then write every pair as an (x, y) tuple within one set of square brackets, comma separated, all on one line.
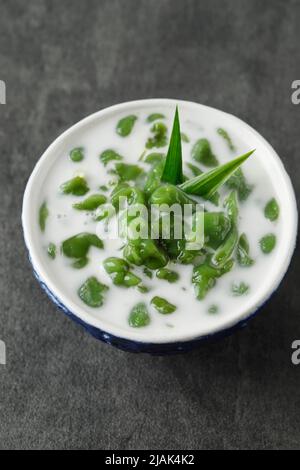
[(160, 292)]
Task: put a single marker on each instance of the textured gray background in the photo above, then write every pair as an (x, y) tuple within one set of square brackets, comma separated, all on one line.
[(63, 60)]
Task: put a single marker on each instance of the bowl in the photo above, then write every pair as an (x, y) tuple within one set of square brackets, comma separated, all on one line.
[(135, 341)]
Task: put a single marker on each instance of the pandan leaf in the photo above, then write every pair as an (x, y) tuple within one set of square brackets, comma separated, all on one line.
[(208, 183), (173, 166)]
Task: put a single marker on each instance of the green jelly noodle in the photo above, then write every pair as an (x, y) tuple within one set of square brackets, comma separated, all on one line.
[(202, 153), (91, 203), (162, 305), (272, 210), (155, 117), (51, 250), (139, 316), (43, 216), (227, 138), (80, 263), (143, 289), (238, 182), (267, 243), (126, 171), (159, 138), (119, 271), (125, 125), (167, 275), (77, 154), (154, 157), (243, 249), (205, 276), (78, 246), (92, 292), (109, 155), (76, 186), (240, 289)]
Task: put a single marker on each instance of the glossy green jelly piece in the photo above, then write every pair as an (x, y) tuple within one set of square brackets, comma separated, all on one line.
[(109, 155), (202, 153), (205, 277), (232, 208), (132, 195), (162, 305), (91, 203), (153, 180), (159, 138), (127, 172), (170, 194), (167, 275), (92, 292), (176, 250), (145, 252), (154, 158), (272, 210), (243, 252), (119, 271), (268, 243), (143, 289), (216, 228), (77, 186), (43, 216), (155, 117), (226, 137), (238, 182), (225, 250), (125, 125), (51, 250), (79, 245), (240, 289), (80, 263), (139, 316), (77, 154)]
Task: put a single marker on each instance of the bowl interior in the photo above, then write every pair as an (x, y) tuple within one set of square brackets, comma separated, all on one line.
[(271, 163)]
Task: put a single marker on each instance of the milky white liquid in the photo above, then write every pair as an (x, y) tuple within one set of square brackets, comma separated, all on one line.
[(64, 221)]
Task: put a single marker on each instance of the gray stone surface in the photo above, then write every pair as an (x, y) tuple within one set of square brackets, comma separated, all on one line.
[(61, 61)]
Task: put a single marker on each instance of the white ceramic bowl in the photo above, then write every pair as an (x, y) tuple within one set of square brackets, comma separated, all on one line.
[(134, 340)]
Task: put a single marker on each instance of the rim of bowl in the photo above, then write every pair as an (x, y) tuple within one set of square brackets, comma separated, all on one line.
[(290, 233)]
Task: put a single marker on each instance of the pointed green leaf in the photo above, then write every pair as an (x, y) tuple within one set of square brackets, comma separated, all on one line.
[(208, 183), (173, 167)]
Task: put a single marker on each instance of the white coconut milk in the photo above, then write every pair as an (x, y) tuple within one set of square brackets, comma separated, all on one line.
[(64, 222)]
